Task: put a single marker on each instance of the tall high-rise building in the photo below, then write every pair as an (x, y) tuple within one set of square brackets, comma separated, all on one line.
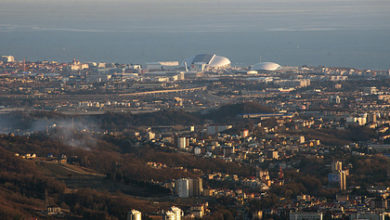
[(182, 143), (337, 166), (338, 175), (186, 187), (182, 187), (343, 180), (197, 187)]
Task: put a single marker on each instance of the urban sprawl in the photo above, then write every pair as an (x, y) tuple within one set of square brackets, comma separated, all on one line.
[(201, 137)]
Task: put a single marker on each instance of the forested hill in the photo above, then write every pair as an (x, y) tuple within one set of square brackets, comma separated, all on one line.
[(39, 120), (126, 120), (229, 112), (102, 181)]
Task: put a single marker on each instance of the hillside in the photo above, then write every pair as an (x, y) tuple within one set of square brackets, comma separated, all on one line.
[(127, 120), (98, 182), (229, 112), (40, 121)]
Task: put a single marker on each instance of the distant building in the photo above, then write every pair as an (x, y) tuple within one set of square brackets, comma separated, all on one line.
[(343, 180), (266, 66), (173, 214), (296, 83), (371, 90), (197, 187), (301, 139), (181, 76), (306, 216), (227, 150), (263, 175), (162, 66), (62, 159), (197, 150), (334, 99), (273, 154), (54, 210), (367, 216), (245, 133), (186, 187), (337, 166), (372, 117), (338, 175), (214, 129), (206, 62), (8, 59), (134, 215), (198, 211), (150, 135), (182, 143), (362, 120), (338, 78), (76, 66), (169, 215), (178, 212), (182, 187)]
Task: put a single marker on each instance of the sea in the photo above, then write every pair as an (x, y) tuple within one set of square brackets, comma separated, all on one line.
[(342, 33)]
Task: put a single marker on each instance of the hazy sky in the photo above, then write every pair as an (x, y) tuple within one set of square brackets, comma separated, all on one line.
[(194, 15)]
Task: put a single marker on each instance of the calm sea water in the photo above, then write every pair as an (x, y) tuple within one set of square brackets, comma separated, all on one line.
[(330, 48), (351, 33)]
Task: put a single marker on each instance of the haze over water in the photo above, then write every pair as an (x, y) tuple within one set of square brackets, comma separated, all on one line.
[(352, 33)]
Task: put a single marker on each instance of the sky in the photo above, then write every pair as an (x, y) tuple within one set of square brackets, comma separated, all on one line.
[(159, 23)]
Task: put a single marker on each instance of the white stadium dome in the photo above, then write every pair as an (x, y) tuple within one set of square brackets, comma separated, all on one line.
[(219, 61), (266, 66), (208, 61)]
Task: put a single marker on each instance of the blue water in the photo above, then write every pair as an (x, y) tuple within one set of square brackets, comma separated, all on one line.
[(351, 33), (331, 48)]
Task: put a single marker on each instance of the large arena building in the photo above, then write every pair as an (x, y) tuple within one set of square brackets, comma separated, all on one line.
[(266, 66), (206, 62)]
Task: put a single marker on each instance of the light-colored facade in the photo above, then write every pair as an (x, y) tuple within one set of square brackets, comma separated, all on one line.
[(343, 180), (134, 215), (266, 66), (169, 215), (183, 187), (306, 216), (337, 166), (182, 143), (174, 213), (206, 62), (186, 187)]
